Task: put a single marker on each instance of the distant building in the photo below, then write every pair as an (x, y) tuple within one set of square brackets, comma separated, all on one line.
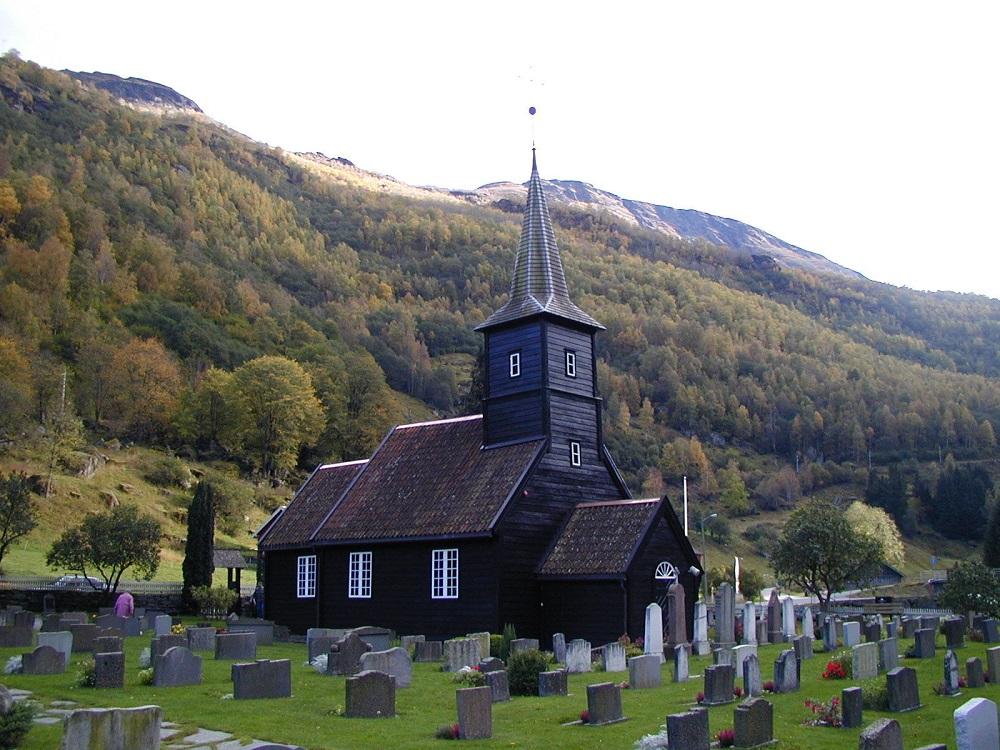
[(517, 515)]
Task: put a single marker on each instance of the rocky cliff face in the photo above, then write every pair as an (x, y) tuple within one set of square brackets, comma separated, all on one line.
[(137, 91)]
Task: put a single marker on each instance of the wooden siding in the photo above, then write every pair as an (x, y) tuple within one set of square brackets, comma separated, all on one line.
[(401, 589), (593, 610), (659, 545), (281, 601), (513, 418), (559, 339), (575, 418), (524, 338)]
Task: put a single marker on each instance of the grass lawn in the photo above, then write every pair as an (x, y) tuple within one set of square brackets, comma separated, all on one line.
[(311, 718)]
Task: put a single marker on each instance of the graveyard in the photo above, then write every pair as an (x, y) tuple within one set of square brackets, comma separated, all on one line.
[(315, 716)]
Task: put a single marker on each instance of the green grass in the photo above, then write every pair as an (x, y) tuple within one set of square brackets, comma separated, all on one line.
[(311, 718)]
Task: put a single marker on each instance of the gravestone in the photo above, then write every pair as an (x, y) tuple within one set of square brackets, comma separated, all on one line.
[(761, 630), (993, 664), (974, 672), (475, 713), (109, 670), (864, 661), (740, 654), (676, 616), (50, 623), (643, 672), (264, 630), (177, 667), (394, 662), (652, 642), (319, 640), (613, 657), (808, 627), (461, 652), (888, 654), (951, 686), (236, 646), (930, 622), (578, 656), (60, 640), (991, 633), (559, 647), (954, 632), (803, 646), (753, 723), (892, 628), (484, 644), (883, 734), (520, 644), (923, 644), (604, 703), (903, 692), (976, 725), (23, 619), (851, 708), (80, 618), (43, 660), (680, 664), (108, 644), (133, 626), (407, 641), (723, 656), (370, 695), (112, 729), (752, 684), (111, 621), (162, 624), (491, 665), (719, 679), (201, 639), (688, 730), (700, 643), (345, 655), (158, 645), (829, 634), (556, 682), (499, 685), (852, 634), (262, 679), (428, 651), (17, 636), (749, 623), (873, 632), (774, 618), (788, 618), (725, 616), (910, 626), (83, 638), (786, 672)]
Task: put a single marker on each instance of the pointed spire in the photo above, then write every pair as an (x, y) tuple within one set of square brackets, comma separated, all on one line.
[(539, 283)]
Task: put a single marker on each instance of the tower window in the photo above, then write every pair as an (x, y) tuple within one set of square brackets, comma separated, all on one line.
[(570, 364), (515, 364), (574, 453)]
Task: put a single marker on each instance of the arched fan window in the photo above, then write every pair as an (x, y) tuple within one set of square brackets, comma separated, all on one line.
[(665, 571)]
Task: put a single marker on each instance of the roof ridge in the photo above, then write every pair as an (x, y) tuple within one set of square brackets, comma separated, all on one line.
[(630, 501), (440, 421), (343, 463)]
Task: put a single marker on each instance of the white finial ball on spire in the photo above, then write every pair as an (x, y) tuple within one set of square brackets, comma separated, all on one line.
[(531, 110)]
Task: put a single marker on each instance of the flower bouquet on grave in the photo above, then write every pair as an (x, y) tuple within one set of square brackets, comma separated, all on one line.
[(834, 671), (726, 737), (769, 686), (700, 697), (823, 714), (585, 716)]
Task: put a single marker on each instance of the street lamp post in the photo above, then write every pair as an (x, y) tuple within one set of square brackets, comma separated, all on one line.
[(704, 555)]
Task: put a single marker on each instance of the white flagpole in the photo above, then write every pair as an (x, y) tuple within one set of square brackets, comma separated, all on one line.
[(736, 570), (685, 506)]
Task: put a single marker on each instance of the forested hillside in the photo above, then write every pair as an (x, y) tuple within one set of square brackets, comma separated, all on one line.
[(184, 278)]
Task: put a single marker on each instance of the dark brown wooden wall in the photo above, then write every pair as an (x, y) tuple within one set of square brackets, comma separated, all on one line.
[(281, 602), (660, 544), (592, 610)]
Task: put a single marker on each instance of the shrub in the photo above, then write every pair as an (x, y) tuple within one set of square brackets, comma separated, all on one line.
[(447, 732), (523, 669), (15, 724), (509, 634), (496, 644), (632, 648), (214, 602), (169, 472), (146, 676), (824, 714), (875, 695), (233, 501), (839, 667), (469, 677), (86, 674)]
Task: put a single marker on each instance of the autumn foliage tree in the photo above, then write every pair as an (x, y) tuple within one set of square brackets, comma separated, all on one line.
[(144, 385)]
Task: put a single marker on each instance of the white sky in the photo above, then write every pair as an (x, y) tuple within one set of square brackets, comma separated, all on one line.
[(865, 131)]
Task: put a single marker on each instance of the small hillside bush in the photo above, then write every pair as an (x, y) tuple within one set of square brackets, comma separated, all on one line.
[(14, 725), (169, 472), (523, 669)]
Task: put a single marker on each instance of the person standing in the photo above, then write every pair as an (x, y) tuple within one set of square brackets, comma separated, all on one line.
[(124, 605), (257, 600)]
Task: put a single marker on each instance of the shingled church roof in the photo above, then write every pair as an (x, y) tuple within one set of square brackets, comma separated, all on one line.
[(539, 282)]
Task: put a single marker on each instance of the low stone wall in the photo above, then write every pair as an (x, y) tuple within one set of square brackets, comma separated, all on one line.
[(85, 601)]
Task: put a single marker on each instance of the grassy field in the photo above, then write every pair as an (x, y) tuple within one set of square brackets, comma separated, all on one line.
[(312, 717)]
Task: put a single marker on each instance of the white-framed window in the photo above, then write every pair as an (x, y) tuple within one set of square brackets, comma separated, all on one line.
[(307, 577), (515, 364), (574, 453), (666, 571), (444, 574), (359, 575), (570, 364)]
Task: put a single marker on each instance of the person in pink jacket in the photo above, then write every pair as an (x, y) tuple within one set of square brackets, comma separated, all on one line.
[(124, 605)]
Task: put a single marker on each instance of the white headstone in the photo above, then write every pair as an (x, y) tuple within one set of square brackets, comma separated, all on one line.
[(653, 636), (700, 643), (614, 658), (807, 623), (788, 618), (852, 634), (578, 656), (60, 640), (162, 624), (740, 654), (976, 725), (749, 624)]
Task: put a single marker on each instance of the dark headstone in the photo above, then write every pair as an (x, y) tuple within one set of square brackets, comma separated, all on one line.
[(427, 651), (262, 679), (903, 692), (559, 647), (954, 632), (107, 644), (370, 695), (133, 627), (491, 665), (774, 634), (676, 617), (851, 706), (644, 671), (829, 634), (83, 638), (786, 672), (892, 628), (111, 621), (523, 644), (883, 734), (991, 634), (43, 660), (873, 632), (604, 703), (553, 683), (910, 626), (380, 639), (201, 639), (923, 643), (753, 723), (803, 646), (12, 636), (50, 623), (345, 655), (974, 673), (719, 680), (237, 646), (23, 619), (177, 667), (263, 629), (158, 645), (475, 713), (320, 645), (688, 731), (109, 670), (499, 685)]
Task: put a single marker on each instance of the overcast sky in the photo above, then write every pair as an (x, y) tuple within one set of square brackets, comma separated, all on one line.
[(867, 132)]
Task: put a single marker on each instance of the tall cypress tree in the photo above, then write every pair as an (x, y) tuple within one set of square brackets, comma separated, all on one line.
[(991, 540), (199, 564)]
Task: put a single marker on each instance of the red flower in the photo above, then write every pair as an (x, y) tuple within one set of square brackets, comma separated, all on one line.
[(768, 686), (834, 671), (700, 697), (726, 737), (585, 716), (738, 691)]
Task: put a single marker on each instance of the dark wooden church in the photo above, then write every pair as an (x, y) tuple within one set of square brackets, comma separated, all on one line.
[(517, 515)]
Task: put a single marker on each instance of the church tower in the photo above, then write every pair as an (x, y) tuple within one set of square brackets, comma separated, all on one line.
[(541, 377)]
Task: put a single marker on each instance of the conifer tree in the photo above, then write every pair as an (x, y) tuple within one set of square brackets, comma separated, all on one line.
[(199, 564), (991, 540)]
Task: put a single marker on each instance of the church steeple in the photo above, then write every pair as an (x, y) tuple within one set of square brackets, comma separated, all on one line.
[(539, 283)]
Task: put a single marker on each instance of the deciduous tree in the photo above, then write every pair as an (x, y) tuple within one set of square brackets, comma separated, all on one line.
[(17, 510), (877, 524)]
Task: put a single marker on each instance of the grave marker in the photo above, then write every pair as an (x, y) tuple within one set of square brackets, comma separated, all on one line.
[(499, 685), (370, 695), (604, 703), (786, 672), (888, 654), (394, 662), (177, 667), (680, 664), (475, 713), (700, 643), (951, 686), (725, 616), (719, 680), (851, 708), (753, 723), (974, 672), (613, 657), (677, 615), (43, 660), (555, 682), (112, 729), (884, 734), (520, 644), (109, 670), (788, 619), (461, 652), (559, 647), (688, 730), (262, 679), (923, 644), (428, 651), (774, 618), (976, 725), (752, 684), (852, 634), (643, 672), (60, 640), (749, 623), (864, 661), (578, 656), (903, 692), (653, 635)]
